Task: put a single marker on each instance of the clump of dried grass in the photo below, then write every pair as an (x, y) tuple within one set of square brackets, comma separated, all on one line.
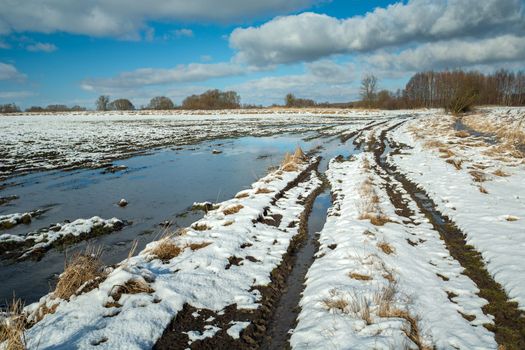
[(263, 190), (462, 133), (369, 205), (500, 173), (82, 273), (242, 195), (335, 301), (200, 226), (166, 249), (233, 209), (228, 223), (385, 247), (12, 328), (291, 162), (359, 277), (197, 246), (478, 176), (455, 162), (132, 286)]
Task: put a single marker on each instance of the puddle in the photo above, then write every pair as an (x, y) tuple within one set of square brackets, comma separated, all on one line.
[(159, 187)]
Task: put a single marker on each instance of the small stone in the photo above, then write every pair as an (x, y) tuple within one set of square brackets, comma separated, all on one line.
[(216, 151), (123, 202), (26, 219)]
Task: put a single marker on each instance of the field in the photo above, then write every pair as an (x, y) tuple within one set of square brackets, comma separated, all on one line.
[(302, 229)]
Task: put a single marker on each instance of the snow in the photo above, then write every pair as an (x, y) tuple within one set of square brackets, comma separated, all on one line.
[(197, 277), (43, 239), (237, 327), (350, 247), (483, 217), (91, 139), (9, 220)]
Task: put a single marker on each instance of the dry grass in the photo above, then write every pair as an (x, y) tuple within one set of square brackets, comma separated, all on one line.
[(132, 286), (359, 277), (242, 195), (166, 249), (360, 307), (500, 173), (197, 246), (455, 162), (511, 218), (478, 176), (12, 329), (233, 209), (446, 153), (483, 189), (335, 301), (385, 247), (462, 133), (369, 205), (81, 274), (228, 223), (200, 227), (291, 162), (434, 144), (263, 190)]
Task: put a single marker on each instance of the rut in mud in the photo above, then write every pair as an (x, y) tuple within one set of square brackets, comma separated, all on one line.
[(190, 319), (509, 321)]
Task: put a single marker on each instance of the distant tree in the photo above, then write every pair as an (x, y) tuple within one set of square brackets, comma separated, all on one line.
[(9, 108), (161, 103), (102, 103), (78, 108), (368, 89), (121, 104), (35, 109), (289, 100), (57, 108), (213, 99)]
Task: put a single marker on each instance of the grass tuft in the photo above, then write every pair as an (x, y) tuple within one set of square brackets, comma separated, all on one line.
[(81, 274), (359, 277), (12, 328), (166, 249), (233, 209), (385, 247)]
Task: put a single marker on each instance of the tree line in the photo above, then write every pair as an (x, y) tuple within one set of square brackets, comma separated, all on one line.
[(456, 91)]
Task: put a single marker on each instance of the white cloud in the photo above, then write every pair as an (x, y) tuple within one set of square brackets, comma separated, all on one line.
[(310, 36), (4, 45), (44, 47), (9, 95), (183, 32), (192, 72), (9, 72), (453, 54), (322, 81), (126, 18)]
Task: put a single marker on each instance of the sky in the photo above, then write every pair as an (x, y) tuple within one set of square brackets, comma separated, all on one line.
[(71, 51)]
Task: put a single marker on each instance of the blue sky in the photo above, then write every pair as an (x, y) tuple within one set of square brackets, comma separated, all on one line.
[(70, 52)]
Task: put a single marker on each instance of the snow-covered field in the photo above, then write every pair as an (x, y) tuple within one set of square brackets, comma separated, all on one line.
[(37, 142), (385, 276)]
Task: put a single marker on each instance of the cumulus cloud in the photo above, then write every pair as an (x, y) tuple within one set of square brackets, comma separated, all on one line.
[(126, 18), (322, 81), (310, 36), (9, 95), (453, 54), (192, 72), (9, 72), (44, 47)]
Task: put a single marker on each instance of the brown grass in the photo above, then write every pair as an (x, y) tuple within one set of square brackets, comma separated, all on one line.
[(360, 307), (335, 302), (13, 328), (132, 286), (434, 144), (511, 218), (228, 223), (197, 246), (483, 189), (500, 173), (200, 227), (81, 274), (263, 190), (292, 162), (446, 153), (233, 209), (478, 176), (166, 249), (359, 277), (455, 162), (386, 247), (462, 133), (242, 195)]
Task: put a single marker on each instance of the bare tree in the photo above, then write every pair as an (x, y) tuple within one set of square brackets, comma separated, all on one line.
[(121, 104), (368, 89), (161, 103), (102, 103)]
